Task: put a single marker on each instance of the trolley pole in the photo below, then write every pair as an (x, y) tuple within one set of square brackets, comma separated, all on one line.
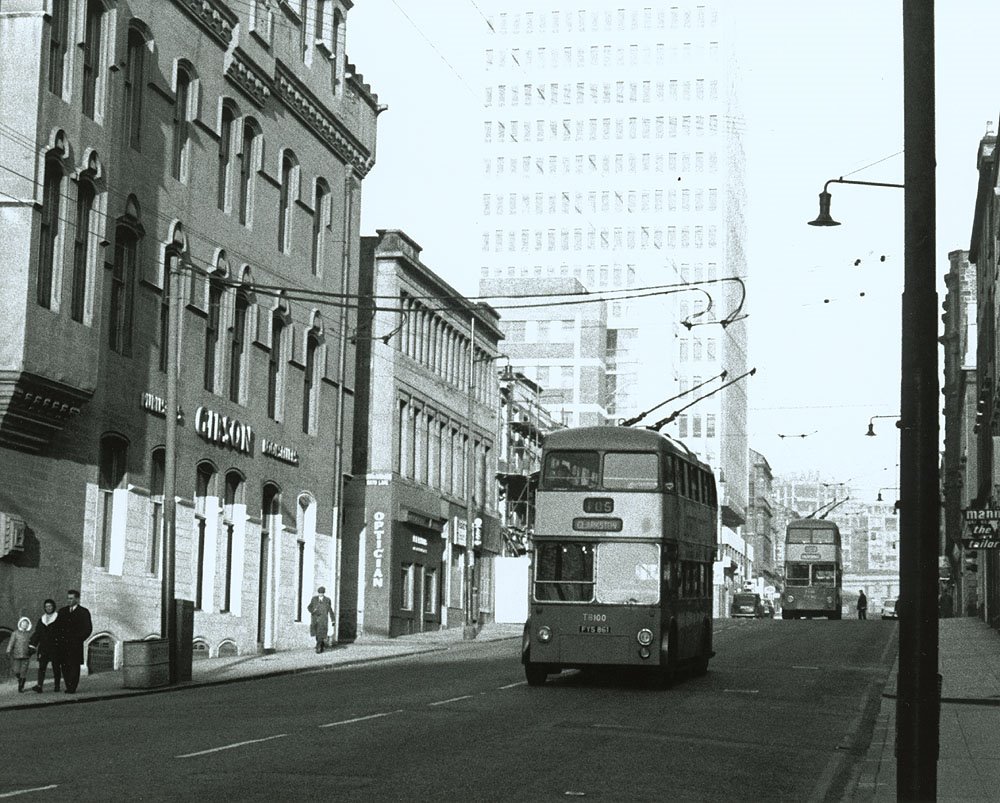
[(918, 700)]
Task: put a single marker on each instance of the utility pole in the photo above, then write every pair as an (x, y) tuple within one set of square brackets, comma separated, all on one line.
[(918, 697), (469, 631), (338, 455), (168, 614)]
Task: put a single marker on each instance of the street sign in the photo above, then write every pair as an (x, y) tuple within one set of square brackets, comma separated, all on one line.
[(981, 528), (981, 543)]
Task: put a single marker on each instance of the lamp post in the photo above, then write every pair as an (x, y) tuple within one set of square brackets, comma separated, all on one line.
[(871, 423), (918, 682), (823, 218)]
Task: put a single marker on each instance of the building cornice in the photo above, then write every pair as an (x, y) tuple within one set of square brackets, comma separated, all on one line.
[(214, 17), (248, 77), (330, 130)]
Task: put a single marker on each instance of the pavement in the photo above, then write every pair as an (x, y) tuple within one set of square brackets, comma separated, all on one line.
[(968, 767), (215, 671)]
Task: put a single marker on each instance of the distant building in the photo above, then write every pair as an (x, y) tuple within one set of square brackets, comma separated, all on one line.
[(760, 531), (558, 346), (225, 141), (422, 498)]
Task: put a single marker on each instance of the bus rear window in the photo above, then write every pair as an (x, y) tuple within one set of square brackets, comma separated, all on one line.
[(576, 470), (564, 571), (630, 471)]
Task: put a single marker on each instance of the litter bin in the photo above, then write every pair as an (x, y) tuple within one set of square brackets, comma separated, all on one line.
[(184, 610), (146, 663)]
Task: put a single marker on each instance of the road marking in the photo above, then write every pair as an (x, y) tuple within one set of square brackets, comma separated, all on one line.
[(513, 685), (231, 746), (25, 791), (795, 666), (741, 691), (361, 719), (452, 700)]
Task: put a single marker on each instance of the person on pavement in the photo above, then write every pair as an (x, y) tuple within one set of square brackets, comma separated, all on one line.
[(44, 641), (73, 628), (321, 610), (862, 605), (19, 647)]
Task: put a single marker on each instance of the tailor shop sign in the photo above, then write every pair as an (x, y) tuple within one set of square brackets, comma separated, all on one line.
[(981, 528)]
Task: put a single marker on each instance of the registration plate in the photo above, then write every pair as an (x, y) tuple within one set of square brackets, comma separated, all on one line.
[(601, 629)]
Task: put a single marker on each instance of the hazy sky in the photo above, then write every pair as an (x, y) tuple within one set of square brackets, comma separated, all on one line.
[(821, 97)]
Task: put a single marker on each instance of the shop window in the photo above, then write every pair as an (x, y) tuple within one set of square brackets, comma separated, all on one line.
[(228, 649), (86, 195), (123, 274), (48, 230), (199, 650), (157, 471), (112, 468), (204, 488), (430, 591), (406, 586)]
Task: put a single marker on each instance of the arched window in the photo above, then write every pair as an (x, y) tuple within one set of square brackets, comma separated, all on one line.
[(204, 488), (135, 72), (238, 344), (275, 367), (270, 527), (310, 385), (86, 195), (157, 472), (249, 155), (111, 471), (182, 133), (233, 497), (321, 223), (336, 47), (212, 326), (127, 235), (58, 33), (286, 201), (225, 156), (171, 273), (48, 230), (92, 55)]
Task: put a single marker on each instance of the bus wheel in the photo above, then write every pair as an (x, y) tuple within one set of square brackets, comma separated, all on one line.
[(700, 665), (668, 668), (535, 674), (786, 615), (835, 615)]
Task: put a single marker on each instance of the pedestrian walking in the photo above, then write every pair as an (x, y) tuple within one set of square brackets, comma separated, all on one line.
[(43, 639), (73, 628), (321, 610), (862, 605), (19, 648)]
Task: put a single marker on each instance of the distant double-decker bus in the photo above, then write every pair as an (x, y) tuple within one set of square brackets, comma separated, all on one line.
[(813, 570), (622, 554)]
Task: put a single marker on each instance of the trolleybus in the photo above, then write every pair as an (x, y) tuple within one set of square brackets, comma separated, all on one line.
[(622, 555), (813, 570)]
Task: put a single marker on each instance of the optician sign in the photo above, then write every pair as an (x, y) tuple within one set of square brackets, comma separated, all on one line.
[(223, 430), (378, 553)]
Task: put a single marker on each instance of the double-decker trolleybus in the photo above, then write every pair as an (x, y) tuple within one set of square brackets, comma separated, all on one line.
[(622, 555), (813, 570)]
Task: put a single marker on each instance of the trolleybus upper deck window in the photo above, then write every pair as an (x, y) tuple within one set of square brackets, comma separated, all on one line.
[(571, 470), (630, 471)]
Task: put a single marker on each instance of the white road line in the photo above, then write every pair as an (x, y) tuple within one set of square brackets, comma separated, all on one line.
[(26, 791), (512, 685), (361, 719), (741, 691), (231, 746), (795, 666), (452, 700)]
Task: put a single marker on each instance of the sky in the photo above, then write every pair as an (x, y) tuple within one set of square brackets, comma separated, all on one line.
[(821, 95)]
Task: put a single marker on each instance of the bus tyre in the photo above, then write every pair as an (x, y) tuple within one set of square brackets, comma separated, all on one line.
[(835, 615), (786, 615), (535, 674), (668, 662), (700, 665)]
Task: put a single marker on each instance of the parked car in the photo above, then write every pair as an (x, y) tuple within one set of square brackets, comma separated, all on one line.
[(768, 609), (749, 606), (889, 609)]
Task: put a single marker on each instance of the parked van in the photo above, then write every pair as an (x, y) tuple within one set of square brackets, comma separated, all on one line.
[(747, 605)]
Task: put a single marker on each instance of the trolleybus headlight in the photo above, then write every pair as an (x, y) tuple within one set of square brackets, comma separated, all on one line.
[(645, 637), (829, 600), (544, 634), (790, 598)]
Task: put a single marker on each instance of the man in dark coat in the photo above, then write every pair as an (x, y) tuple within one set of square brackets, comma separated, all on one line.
[(321, 610), (73, 628), (862, 605)]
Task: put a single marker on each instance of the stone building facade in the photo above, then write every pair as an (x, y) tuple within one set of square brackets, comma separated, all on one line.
[(219, 145)]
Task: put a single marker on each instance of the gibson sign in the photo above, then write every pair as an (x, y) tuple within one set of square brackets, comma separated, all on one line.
[(223, 430)]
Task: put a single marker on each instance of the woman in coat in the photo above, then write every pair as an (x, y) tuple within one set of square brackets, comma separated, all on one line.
[(44, 640)]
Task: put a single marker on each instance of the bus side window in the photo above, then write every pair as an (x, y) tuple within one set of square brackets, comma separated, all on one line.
[(693, 484), (668, 472), (682, 477)]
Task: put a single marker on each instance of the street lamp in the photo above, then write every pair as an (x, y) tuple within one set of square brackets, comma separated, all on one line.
[(871, 423), (824, 218), (918, 681)]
